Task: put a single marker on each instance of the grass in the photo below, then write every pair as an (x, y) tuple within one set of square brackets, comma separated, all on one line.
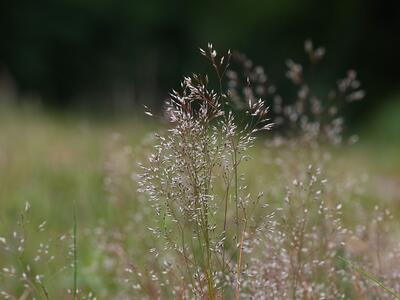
[(372, 278), (53, 161), (75, 250), (188, 223)]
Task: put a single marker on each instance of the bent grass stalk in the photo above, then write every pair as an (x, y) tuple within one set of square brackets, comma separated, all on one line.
[(370, 277)]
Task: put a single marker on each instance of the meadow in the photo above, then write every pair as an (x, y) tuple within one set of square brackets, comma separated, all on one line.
[(63, 175)]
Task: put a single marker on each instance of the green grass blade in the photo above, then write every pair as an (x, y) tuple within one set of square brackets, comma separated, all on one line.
[(370, 277)]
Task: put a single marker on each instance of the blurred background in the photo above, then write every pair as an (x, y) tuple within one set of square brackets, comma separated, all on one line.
[(72, 72), (99, 55)]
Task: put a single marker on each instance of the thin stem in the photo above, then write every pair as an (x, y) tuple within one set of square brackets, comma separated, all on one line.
[(239, 265), (225, 219), (371, 277), (235, 168), (75, 250)]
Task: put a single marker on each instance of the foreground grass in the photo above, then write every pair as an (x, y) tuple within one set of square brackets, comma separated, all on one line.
[(52, 161)]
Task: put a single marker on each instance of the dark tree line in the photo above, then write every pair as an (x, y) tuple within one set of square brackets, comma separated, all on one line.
[(93, 52)]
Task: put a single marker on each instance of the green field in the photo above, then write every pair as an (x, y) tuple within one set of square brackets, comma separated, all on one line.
[(53, 161)]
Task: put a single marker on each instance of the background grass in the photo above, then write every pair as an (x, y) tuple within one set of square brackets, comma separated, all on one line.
[(52, 161)]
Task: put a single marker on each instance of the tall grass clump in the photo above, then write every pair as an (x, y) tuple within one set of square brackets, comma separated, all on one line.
[(301, 248), (201, 154), (222, 240)]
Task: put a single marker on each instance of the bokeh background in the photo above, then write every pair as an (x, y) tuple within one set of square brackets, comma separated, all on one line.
[(72, 72), (112, 55)]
